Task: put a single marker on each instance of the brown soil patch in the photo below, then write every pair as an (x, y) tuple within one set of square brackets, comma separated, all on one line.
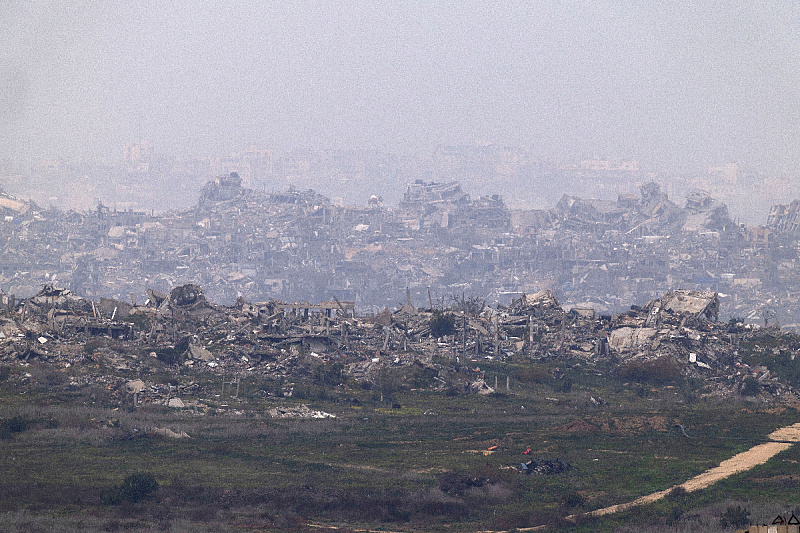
[(577, 426), (636, 425)]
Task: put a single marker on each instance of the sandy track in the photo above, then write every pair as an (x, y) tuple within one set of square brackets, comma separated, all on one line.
[(780, 440)]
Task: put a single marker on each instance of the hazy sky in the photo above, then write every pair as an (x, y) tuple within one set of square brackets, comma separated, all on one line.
[(684, 84)]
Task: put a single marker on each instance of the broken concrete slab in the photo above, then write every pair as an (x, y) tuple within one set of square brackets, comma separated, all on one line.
[(166, 432), (200, 353), (135, 386)]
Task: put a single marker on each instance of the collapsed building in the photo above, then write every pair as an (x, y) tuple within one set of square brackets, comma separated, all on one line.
[(297, 245), (785, 217), (286, 340)]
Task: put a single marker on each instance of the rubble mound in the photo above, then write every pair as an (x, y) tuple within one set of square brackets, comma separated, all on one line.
[(190, 301), (54, 297), (187, 296), (692, 302), (221, 189), (672, 337), (543, 299)]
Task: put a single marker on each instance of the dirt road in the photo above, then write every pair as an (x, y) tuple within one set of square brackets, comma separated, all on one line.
[(779, 440)]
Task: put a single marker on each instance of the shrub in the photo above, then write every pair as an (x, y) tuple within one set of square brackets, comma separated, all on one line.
[(734, 517), (562, 385), (421, 378), (91, 346), (661, 370), (141, 321), (328, 375), (736, 324), (751, 387), (48, 379), (10, 426), (301, 392), (387, 382), (442, 324), (174, 355), (572, 500), (134, 488), (532, 374)]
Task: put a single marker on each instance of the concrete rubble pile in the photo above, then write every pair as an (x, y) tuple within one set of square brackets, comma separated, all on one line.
[(302, 411), (289, 341), (298, 245)]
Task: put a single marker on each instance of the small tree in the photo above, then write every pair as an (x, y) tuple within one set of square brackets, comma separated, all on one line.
[(442, 324), (387, 383)]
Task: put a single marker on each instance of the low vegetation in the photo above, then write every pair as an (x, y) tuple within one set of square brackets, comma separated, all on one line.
[(395, 457)]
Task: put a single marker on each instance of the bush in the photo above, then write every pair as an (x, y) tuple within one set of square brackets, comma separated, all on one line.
[(736, 324), (562, 385), (442, 324), (421, 378), (174, 355), (10, 426), (661, 370), (134, 488), (751, 387), (532, 374), (571, 500), (734, 517), (48, 379)]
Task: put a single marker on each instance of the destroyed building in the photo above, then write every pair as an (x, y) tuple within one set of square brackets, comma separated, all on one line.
[(299, 245), (678, 332), (785, 217)]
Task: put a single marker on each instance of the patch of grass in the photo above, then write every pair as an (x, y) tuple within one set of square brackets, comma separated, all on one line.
[(391, 465), (134, 488)]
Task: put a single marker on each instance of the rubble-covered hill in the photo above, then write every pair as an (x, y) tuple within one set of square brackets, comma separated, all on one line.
[(674, 337)]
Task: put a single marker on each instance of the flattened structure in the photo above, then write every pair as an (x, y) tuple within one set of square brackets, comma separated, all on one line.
[(692, 302)]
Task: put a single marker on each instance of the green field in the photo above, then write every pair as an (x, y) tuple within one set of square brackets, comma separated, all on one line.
[(412, 462)]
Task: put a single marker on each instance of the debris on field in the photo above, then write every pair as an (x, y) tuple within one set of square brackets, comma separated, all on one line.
[(544, 467), (166, 432), (302, 411)]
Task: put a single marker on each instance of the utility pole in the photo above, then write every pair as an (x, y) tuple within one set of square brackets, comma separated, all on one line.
[(496, 339), (464, 309)]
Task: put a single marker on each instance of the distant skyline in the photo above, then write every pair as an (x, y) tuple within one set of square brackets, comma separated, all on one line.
[(680, 86)]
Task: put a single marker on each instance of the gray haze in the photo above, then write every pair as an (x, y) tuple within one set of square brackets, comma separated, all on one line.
[(680, 85)]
